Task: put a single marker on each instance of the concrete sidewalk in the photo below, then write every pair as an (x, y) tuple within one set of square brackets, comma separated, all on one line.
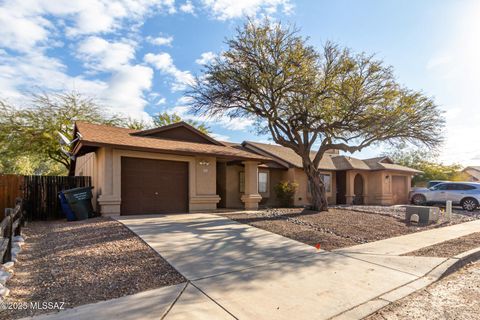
[(255, 274), (178, 302), (238, 271), (414, 241)]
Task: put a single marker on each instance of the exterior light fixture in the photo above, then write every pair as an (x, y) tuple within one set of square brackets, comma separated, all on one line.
[(204, 163)]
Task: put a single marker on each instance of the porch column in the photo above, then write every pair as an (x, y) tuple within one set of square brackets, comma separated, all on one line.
[(349, 195), (251, 198), (109, 193)]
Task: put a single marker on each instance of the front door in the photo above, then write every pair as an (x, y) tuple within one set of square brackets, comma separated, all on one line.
[(341, 178), (358, 189)]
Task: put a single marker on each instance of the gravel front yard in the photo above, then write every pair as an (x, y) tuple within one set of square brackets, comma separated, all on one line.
[(339, 227), (449, 248), (84, 262), (456, 297)]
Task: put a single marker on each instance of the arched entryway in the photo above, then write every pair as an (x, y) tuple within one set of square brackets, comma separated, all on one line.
[(358, 189)]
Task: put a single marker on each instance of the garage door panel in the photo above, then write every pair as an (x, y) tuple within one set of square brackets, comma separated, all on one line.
[(154, 186)]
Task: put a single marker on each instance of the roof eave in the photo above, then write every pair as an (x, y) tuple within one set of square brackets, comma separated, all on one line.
[(275, 158), (85, 143)]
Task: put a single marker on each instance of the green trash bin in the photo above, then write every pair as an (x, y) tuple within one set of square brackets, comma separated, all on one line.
[(80, 200)]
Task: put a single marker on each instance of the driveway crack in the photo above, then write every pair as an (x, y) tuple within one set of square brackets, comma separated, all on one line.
[(175, 301), (213, 300)]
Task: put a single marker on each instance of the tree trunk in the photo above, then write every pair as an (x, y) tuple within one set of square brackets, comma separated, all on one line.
[(317, 187)]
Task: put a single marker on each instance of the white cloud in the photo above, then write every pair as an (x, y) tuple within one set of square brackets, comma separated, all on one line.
[(156, 98), (30, 27), (35, 71), (164, 63), (187, 7), (25, 24), (160, 41), (99, 54), (184, 100), (122, 93), (205, 58), (231, 9), (161, 101), (125, 89), (220, 137), (20, 32)]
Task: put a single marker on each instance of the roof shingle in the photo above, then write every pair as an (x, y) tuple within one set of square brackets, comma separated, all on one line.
[(329, 161), (97, 135)]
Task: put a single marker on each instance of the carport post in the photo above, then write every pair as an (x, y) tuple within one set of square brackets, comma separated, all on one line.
[(448, 209)]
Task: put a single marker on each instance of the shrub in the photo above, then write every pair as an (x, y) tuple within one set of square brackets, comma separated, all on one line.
[(285, 190)]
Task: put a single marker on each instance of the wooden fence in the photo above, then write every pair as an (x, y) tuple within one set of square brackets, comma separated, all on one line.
[(11, 187), (40, 194), (10, 227)]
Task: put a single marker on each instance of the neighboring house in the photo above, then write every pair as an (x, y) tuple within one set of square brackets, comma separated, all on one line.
[(472, 173), (177, 168)]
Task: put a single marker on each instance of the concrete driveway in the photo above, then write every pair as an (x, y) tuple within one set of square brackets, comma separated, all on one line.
[(238, 271)]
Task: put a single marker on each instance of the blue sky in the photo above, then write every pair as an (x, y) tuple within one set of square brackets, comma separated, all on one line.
[(135, 57)]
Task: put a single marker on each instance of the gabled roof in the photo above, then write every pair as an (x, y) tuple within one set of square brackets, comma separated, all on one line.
[(330, 161), (163, 132), (286, 155), (474, 171), (94, 135), (477, 168)]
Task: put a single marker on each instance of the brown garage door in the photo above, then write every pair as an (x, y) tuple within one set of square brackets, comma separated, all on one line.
[(154, 186), (399, 190)]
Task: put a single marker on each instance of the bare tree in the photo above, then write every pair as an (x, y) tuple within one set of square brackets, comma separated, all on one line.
[(308, 99)]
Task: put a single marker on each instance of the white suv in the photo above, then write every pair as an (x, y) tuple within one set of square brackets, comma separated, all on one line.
[(466, 194)]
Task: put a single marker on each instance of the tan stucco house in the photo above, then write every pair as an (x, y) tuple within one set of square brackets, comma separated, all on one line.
[(177, 168), (472, 173)]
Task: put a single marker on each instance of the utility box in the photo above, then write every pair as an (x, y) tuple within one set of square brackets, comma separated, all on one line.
[(426, 215)]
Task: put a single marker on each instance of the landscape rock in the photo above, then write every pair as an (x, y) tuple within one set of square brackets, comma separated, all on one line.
[(414, 218), (4, 292), (5, 276), (8, 265), (18, 239)]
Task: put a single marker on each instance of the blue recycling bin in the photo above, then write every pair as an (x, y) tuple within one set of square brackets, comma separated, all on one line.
[(66, 207)]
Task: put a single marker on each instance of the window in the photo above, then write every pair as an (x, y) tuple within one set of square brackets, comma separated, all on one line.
[(441, 186), (327, 181), (241, 181), (465, 187), (453, 186), (263, 182)]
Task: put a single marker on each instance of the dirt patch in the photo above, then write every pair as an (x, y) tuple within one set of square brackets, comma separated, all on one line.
[(454, 297), (84, 262), (458, 216), (449, 248), (334, 229), (305, 234)]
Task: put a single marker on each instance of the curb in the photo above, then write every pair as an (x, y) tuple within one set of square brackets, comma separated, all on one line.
[(446, 268), (462, 259)]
